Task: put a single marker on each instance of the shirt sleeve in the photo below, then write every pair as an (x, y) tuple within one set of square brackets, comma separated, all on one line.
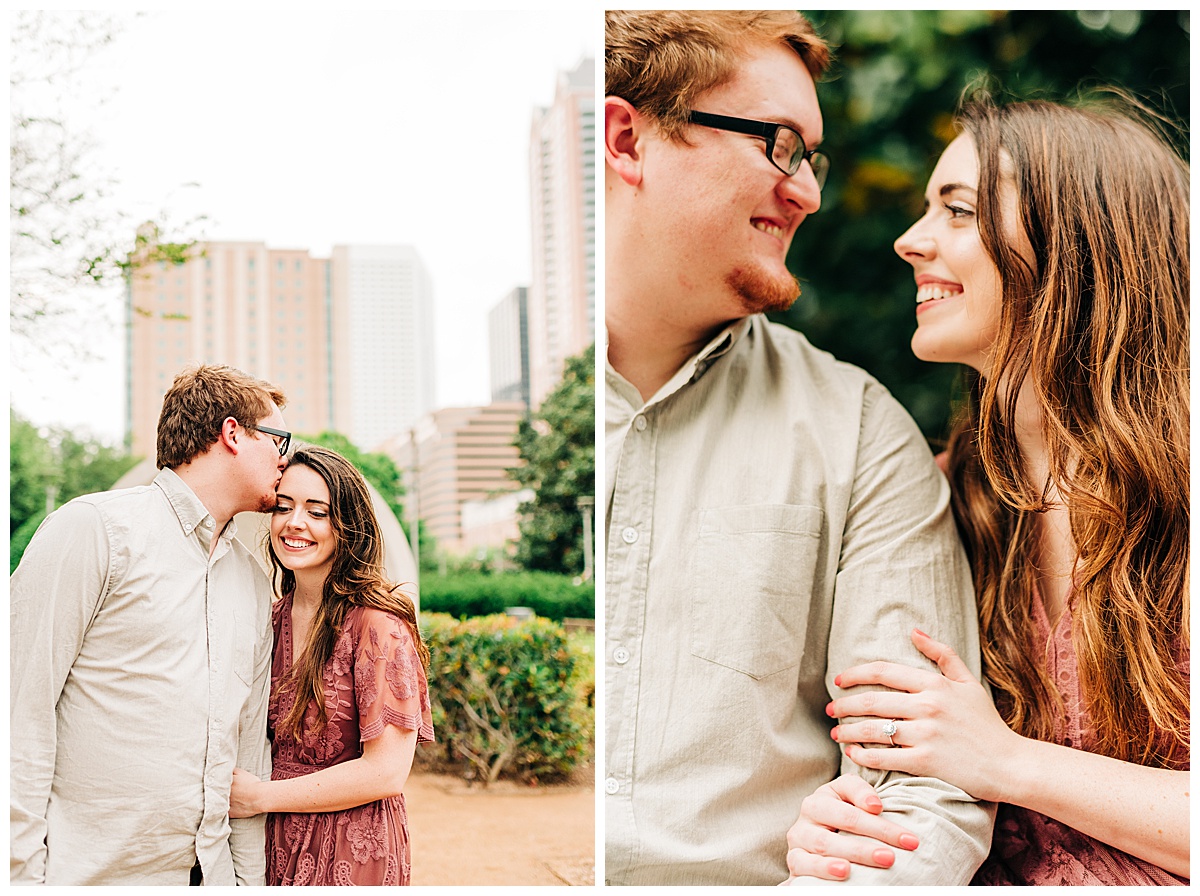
[(389, 681), (902, 567), (55, 593), (247, 836)]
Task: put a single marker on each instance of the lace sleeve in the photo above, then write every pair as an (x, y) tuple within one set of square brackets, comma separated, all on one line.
[(389, 682)]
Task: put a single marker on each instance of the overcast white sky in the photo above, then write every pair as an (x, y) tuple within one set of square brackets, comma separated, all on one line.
[(308, 129)]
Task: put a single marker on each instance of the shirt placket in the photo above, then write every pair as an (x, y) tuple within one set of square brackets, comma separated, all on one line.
[(629, 562), (212, 814)]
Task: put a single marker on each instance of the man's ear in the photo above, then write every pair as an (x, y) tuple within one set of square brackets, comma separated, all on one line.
[(624, 128), (228, 437)]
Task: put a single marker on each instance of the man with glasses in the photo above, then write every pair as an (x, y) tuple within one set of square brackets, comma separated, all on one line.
[(140, 657), (774, 517)]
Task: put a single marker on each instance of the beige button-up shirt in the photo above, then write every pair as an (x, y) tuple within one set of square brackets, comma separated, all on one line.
[(774, 517), (140, 671)]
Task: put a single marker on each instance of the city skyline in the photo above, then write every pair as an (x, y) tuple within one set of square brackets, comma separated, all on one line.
[(347, 338), (316, 153)]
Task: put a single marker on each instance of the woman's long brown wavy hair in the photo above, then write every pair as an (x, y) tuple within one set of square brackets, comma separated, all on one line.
[(1095, 324), (355, 580)]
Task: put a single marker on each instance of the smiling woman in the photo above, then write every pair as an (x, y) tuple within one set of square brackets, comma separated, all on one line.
[(1053, 259), (349, 700)]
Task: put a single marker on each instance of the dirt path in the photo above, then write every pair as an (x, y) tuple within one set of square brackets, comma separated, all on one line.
[(506, 834)]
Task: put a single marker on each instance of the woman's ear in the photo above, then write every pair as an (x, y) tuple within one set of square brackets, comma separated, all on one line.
[(624, 128)]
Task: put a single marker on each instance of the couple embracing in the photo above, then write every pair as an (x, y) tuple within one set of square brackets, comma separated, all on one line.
[(794, 684), (172, 720)]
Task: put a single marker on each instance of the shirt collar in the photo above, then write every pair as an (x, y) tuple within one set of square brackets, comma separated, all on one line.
[(693, 368), (192, 513)]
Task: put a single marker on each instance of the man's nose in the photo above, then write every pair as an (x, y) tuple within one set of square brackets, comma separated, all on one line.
[(801, 188)]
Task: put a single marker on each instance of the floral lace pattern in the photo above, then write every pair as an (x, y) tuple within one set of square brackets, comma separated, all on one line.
[(373, 679), (1029, 848)]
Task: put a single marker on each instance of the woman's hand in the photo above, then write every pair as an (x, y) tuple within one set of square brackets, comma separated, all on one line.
[(243, 795), (816, 845), (946, 724)]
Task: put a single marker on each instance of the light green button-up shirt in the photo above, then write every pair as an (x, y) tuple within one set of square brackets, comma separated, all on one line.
[(140, 672), (774, 517)]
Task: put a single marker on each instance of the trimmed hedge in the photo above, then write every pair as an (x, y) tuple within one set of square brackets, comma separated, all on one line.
[(509, 697), (481, 594)]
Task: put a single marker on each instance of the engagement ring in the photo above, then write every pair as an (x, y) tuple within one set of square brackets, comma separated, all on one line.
[(889, 728)]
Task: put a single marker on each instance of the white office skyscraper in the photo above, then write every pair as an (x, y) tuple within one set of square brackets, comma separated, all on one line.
[(383, 327)]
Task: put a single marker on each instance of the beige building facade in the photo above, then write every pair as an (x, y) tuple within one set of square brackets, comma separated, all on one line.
[(456, 456)]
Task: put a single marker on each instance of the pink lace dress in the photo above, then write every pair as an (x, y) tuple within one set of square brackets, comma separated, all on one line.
[(374, 679), (1031, 849)]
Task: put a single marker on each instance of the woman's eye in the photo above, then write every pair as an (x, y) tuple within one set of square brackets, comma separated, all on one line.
[(957, 211), (280, 508), (317, 514)]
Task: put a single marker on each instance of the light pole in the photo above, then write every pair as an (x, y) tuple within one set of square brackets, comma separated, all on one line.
[(585, 504), (414, 517)]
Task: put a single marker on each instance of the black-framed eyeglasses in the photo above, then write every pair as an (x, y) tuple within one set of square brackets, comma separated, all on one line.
[(286, 436), (785, 147)]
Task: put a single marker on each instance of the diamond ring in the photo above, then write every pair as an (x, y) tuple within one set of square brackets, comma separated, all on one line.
[(889, 728)]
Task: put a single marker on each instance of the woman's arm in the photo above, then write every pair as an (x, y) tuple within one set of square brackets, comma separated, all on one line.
[(947, 727), (381, 771)]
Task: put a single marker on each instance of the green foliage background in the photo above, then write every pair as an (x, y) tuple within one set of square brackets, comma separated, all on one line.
[(66, 464), (559, 449), (887, 103)]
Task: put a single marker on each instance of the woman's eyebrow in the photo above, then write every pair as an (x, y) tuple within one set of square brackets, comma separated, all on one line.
[(951, 188)]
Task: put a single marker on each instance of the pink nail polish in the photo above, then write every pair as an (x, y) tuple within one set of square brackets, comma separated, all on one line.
[(834, 733), (908, 841), (841, 869), (829, 710), (837, 679), (884, 857), (921, 633)]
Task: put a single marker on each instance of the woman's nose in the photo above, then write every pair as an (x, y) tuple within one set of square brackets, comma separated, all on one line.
[(914, 244)]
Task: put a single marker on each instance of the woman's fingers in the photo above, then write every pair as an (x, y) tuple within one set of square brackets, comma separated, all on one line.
[(949, 662), (891, 675), (840, 826), (876, 731), (854, 790), (802, 863), (880, 704)]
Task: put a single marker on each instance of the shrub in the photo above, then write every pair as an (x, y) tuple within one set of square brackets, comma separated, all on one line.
[(481, 594), (507, 697)]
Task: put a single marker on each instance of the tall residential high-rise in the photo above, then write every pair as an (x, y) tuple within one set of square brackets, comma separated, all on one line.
[(508, 347), (562, 168), (329, 332)]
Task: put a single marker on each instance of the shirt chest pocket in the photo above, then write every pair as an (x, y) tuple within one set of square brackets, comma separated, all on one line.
[(752, 572)]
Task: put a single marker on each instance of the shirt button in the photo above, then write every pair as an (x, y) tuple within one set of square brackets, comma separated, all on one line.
[(611, 785), (639, 423), (621, 655), (629, 535)]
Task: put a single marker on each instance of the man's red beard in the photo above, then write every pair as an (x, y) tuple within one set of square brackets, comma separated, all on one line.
[(760, 292)]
